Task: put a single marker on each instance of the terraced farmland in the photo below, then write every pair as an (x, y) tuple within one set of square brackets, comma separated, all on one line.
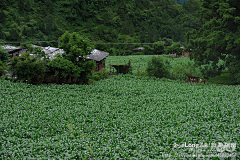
[(123, 117)]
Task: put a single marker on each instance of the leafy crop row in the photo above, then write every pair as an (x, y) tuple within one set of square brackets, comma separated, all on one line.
[(123, 117)]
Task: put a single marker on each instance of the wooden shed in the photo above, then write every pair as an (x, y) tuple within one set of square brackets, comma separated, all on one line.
[(122, 68), (99, 57)]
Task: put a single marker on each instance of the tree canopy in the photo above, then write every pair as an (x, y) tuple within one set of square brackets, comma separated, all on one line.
[(218, 38), (76, 48), (99, 20)]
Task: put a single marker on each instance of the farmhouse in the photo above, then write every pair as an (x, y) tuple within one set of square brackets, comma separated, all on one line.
[(99, 57), (13, 51), (96, 55)]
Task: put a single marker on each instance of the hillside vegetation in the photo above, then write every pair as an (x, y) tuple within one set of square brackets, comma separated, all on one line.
[(99, 20), (207, 28)]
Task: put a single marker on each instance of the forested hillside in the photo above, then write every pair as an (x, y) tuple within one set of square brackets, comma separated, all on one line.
[(100, 20)]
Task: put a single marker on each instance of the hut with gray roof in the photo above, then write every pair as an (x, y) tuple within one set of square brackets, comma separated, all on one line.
[(99, 57), (13, 51)]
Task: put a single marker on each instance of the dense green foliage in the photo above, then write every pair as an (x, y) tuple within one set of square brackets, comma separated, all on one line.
[(102, 74), (3, 55), (76, 48), (165, 45), (158, 68), (71, 67), (64, 68), (3, 59), (175, 48), (218, 39), (179, 67), (2, 68), (224, 79), (29, 67), (122, 117), (99, 20)]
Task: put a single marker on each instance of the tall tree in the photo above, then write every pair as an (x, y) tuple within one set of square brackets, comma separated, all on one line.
[(76, 49), (219, 37)]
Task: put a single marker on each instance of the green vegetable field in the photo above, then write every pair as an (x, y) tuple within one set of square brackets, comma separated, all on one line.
[(179, 67), (138, 62), (123, 117)]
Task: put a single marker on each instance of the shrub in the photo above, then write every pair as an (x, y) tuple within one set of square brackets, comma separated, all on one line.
[(2, 68), (183, 67), (64, 68), (76, 49), (3, 55), (174, 48), (158, 47), (28, 69), (157, 67), (148, 50), (233, 67), (141, 73), (102, 74)]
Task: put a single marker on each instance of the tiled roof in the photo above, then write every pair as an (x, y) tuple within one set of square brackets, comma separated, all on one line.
[(51, 51), (9, 48), (97, 55)]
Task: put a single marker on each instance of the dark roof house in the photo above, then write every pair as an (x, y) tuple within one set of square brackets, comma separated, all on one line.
[(13, 51), (99, 57)]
